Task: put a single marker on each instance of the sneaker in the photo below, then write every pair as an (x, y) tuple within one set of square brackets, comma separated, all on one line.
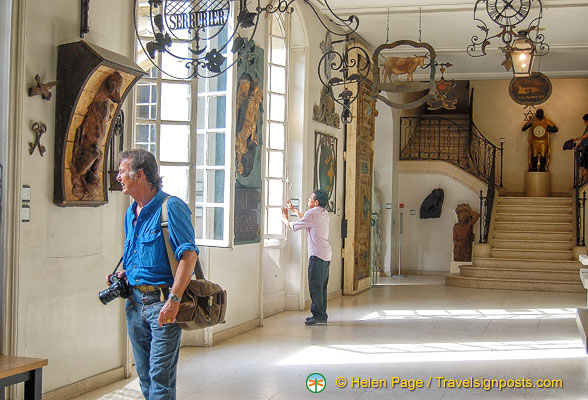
[(314, 321), (307, 318)]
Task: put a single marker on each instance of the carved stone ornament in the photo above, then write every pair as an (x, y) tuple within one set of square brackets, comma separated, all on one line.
[(433, 204), (325, 112), (93, 83), (463, 232)]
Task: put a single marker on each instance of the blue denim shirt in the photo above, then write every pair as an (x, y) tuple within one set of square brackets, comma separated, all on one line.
[(145, 258)]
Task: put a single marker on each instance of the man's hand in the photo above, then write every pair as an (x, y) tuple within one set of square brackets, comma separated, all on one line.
[(168, 313), (285, 216), (119, 274)]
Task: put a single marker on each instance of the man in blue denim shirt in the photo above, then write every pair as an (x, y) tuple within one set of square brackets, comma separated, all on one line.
[(155, 300)]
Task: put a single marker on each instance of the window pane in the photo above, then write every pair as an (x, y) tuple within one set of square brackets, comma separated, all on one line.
[(175, 67), (198, 222), (217, 111), (275, 191), (276, 164), (216, 149), (201, 112), (146, 136), (199, 149), (274, 221), (146, 100), (175, 143), (219, 40), (278, 51), (277, 79), (175, 180), (278, 26), (175, 102), (216, 84), (214, 223), (276, 136), (277, 105), (199, 186), (215, 186)]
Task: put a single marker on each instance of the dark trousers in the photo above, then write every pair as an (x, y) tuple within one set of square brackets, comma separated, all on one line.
[(318, 277)]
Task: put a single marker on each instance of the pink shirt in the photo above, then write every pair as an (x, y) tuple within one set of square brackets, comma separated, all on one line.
[(316, 222)]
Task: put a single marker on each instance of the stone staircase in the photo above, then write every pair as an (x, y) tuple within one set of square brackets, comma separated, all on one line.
[(531, 248)]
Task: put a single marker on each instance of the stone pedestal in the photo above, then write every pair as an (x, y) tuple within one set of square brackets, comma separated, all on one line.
[(538, 184)]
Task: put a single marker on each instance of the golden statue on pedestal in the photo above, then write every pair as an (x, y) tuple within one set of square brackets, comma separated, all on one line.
[(539, 143)]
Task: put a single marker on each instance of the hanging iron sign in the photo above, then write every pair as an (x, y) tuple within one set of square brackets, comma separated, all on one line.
[(535, 89), (193, 15)]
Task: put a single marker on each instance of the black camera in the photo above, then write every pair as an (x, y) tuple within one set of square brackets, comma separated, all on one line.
[(118, 288)]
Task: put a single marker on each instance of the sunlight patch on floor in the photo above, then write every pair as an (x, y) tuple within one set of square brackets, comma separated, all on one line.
[(436, 352), (482, 314)]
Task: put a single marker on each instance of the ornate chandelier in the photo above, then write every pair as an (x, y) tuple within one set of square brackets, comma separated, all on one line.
[(519, 46)]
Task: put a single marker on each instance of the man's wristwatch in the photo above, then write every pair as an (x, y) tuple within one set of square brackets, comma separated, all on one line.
[(174, 298)]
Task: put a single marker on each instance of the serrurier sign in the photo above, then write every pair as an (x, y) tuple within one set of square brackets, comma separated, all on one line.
[(194, 15)]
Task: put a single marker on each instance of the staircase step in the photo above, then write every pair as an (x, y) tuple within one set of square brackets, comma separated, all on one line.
[(519, 217), (528, 209), (514, 284), (533, 226), (531, 254), (524, 274), (531, 235), (527, 201), (517, 263), (533, 244)]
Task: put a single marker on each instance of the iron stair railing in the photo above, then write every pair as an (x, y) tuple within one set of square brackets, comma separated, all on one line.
[(580, 200)]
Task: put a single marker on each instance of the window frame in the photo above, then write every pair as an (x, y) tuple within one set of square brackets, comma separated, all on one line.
[(268, 150), (192, 163)]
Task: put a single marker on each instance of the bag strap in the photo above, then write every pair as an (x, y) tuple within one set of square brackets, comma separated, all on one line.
[(170, 253)]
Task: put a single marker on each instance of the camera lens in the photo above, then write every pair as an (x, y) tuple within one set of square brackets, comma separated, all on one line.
[(108, 294)]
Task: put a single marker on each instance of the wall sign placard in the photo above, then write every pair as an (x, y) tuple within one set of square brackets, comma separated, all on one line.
[(535, 89), (325, 167)]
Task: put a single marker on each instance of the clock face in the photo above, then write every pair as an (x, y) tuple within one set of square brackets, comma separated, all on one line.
[(508, 12), (539, 131)]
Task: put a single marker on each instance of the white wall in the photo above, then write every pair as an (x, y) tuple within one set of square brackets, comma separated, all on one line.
[(427, 244), (64, 253)]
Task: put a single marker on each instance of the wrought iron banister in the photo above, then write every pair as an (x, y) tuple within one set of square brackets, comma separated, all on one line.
[(580, 201), (486, 205), (457, 141)]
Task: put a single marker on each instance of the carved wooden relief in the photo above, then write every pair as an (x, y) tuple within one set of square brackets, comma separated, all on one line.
[(93, 85), (358, 201)]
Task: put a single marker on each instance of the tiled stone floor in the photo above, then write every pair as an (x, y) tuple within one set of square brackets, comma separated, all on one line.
[(414, 328)]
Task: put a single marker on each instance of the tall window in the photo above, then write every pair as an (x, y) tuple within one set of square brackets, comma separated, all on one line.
[(187, 123), (276, 131)]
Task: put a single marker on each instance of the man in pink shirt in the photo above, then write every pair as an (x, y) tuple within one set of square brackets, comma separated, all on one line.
[(316, 223)]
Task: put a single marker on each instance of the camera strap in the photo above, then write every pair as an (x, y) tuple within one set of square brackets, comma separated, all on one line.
[(117, 265), (170, 253)]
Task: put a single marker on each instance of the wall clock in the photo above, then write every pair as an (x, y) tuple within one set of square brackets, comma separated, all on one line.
[(508, 12), (539, 131)]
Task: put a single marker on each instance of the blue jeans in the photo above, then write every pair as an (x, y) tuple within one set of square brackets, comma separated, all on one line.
[(318, 278), (156, 348)]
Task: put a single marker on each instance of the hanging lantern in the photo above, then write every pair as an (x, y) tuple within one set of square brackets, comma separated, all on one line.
[(522, 55)]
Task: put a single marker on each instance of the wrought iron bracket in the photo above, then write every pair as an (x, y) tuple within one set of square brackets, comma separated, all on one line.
[(85, 20)]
